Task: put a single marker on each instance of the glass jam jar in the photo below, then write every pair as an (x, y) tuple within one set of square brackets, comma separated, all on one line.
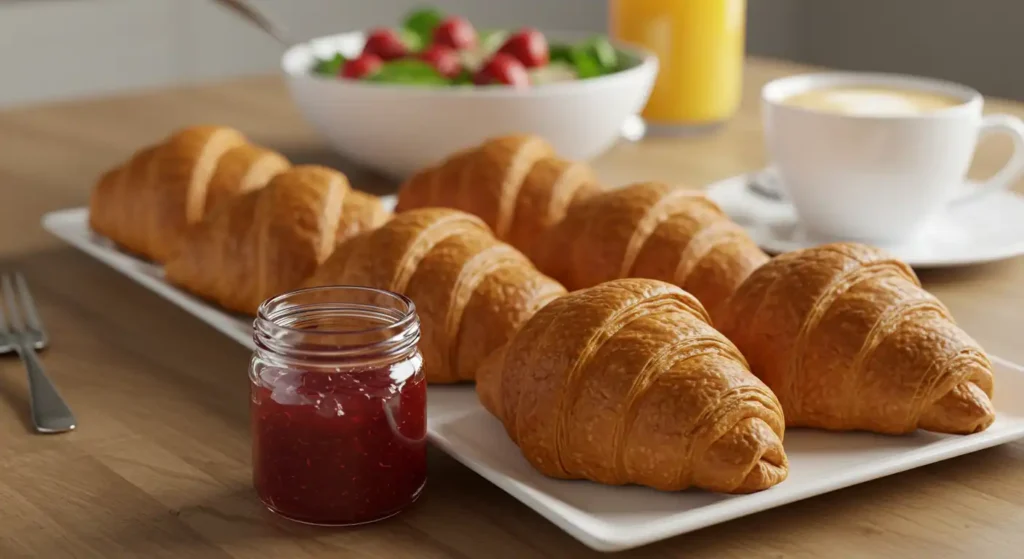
[(338, 405)]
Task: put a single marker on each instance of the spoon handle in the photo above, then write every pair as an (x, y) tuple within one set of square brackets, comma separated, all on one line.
[(257, 18)]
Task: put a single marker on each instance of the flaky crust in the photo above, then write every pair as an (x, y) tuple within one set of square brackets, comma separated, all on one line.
[(650, 230), (242, 169), (848, 340), (360, 212), (269, 240), (515, 184), (120, 207), (552, 185), (183, 166), (471, 291), (147, 204), (626, 382)]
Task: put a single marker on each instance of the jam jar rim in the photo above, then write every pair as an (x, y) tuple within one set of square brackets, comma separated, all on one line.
[(267, 326)]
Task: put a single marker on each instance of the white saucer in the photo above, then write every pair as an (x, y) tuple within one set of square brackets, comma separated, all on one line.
[(986, 229)]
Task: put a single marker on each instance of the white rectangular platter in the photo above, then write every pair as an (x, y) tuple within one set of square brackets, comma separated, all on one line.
[(615, 518)]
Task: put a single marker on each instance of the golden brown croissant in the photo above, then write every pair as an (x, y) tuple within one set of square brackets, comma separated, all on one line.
[(182, 168), (626, 382), (848, 340), (242, 169), (471, 291), (515, 184), (147, 204), (650, 230), (269, 240), (119, 208)]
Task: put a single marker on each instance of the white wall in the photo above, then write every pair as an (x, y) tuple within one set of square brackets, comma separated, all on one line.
[(55, 49), (977, 42)]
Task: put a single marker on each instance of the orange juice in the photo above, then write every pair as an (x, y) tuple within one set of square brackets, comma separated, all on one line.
[(699, 44)]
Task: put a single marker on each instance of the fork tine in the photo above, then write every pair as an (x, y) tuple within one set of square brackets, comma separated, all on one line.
[(28, 305), (12, 309)]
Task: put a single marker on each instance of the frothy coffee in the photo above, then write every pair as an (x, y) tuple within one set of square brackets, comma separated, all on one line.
[(870, 101)]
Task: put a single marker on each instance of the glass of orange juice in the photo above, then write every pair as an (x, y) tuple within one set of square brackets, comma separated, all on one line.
[(699, 44)]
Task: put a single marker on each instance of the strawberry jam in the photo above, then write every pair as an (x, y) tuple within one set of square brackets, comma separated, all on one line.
[(338, 405)]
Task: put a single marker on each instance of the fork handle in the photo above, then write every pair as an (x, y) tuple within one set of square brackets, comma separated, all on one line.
[(50, 414)]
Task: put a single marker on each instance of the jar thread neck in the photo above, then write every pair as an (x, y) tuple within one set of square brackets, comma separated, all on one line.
[(354, 326)]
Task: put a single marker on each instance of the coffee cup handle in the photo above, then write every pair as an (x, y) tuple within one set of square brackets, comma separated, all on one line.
[(1005, 177)]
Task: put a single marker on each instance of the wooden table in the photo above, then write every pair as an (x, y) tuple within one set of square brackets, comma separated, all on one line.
[(160, 464)]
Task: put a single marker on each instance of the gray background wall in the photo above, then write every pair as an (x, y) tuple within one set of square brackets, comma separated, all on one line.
[(979, 42), (57, 49)]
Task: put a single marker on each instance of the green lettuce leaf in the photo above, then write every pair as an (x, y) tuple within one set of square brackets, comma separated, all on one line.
[(409, 71), (421, 23), (329, 66)]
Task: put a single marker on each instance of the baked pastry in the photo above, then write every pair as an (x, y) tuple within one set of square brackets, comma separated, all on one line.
[(242, 169), (176, 193), (118, 207), (146, 205), (626, 382), (471, 291), (848, 340), (650, 230), (516, 184), (269, 240)]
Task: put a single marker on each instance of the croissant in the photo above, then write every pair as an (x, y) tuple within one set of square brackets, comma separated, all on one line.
[(626, 382), (848, 340), (471, 291), (514, 183), (242, 169), (181, 171), (269, 240), (147, 205), (650, 230), (118, 208)]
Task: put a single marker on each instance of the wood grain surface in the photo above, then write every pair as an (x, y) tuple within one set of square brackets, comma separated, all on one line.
[(160, 464)]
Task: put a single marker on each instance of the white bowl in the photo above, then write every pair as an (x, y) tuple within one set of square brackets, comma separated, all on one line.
[(398, 129)]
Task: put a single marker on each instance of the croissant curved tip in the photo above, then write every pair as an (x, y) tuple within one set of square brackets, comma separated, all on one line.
[(963, 410), (747, 458)]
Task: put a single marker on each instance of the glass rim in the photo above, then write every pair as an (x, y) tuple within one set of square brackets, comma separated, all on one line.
[(397, 333), (264, 313)]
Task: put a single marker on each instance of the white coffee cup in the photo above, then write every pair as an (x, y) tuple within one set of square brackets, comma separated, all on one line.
[(879, 177)]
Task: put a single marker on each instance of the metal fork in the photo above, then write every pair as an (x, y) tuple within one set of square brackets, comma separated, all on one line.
[(24, 333)]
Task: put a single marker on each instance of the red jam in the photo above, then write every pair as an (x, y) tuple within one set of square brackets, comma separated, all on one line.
[(338, 440)]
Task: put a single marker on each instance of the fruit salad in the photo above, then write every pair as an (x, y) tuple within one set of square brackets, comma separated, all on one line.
[(434, 49)]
